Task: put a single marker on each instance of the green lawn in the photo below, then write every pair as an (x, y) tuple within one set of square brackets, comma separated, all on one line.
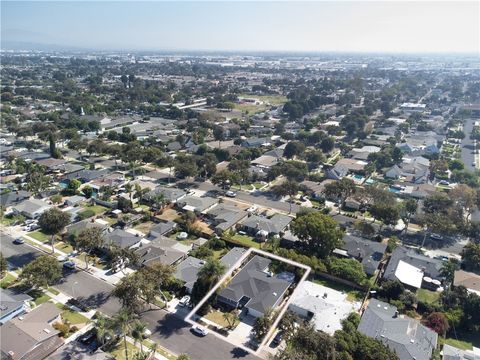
[(463, 345), (246, 240), (73, 317), (427, 296), (271, 99), (7, 280), (352, 294), (40, 236), (217, 317), (97, 209), (119, 351), (39, 297), (65, 247), (53, 291)]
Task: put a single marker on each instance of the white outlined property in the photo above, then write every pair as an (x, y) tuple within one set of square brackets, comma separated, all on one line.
[(261, 257)]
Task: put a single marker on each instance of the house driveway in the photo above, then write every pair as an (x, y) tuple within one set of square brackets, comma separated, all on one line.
[(241, 334)]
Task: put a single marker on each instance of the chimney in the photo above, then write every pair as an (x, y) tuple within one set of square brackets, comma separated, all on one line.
[(396, 314)]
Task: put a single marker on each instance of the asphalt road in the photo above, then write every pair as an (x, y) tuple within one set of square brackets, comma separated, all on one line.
[(468, 157), (89, 289), (174, 334), (258, 198)]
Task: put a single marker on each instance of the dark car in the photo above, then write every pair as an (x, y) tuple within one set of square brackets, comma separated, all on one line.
[(88, 337), (278, 338)]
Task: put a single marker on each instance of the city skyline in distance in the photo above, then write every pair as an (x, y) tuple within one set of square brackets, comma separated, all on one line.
[(358, 26)]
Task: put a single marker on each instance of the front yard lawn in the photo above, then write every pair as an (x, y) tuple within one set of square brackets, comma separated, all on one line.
[(7, 280), (118, 351), (39, 297), (65, 247), (71, 316), (40, 236), (427, 296), (216, 316)]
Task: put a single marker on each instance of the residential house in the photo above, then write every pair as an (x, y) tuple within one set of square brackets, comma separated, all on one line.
[(232, 257), (322, 306), (469, 280), (12, 304), (363, 152), (315, 189), (113, 180), (13, 198), (31, 208), (31, 336), (171, 195), (406, 336), (224, 217), (163, 228), (256, 142), (343, 167), (412, 169), (254, 288), (369, 253), (77, 227), (260, 226), (452, 353), (187, 271), (199, 205), (269, 159), (155, 253), (122, 239), (86, 176), (413, 269)]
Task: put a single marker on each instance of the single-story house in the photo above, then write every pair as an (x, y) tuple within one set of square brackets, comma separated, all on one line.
[(32, 335), (315, 189), (452, 353), (254, 288), (155, 253), (197, 204), (231, 258), (344, 167), (12, 304), (170, 194), (163, 228), (225, 217), (324, 307), (86, 175), (260, 226), (406, 336), (368, 252), (469, 280), (74, 200), (77, 227), (122, 239), (31, 208), (187, 271), (13, 198), (413, 269)]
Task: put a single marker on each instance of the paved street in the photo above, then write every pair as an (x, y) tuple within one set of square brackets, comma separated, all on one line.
[(258, 198), (468, 157), (92, 291), (174, 334)]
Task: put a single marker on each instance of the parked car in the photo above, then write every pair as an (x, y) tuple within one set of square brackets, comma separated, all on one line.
[(230, 194), (184, 301), (199, 330), (88, 337), (278, 338), (69, 265), (182, 236), (444, 182), (147, 333), (78, 304), (62, 258), (436, 236), (19, 241)]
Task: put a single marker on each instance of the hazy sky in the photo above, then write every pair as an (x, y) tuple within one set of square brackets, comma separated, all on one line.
[(393, 26)]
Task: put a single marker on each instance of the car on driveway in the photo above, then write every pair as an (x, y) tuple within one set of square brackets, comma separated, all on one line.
[(184, 301), (277, 339), (199, 330), (19, 241), (436, 236), (230, 194)]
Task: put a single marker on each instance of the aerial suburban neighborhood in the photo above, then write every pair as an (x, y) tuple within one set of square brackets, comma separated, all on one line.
[(239, 205)]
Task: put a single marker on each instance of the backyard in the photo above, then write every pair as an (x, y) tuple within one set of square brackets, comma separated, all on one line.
[(352, 294), (427, 296)]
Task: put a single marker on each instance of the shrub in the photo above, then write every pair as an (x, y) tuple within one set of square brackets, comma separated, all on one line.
[(64, 329), (348, 269), (88, 213)]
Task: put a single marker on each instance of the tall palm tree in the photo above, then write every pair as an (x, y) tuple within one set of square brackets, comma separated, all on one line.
[(211, 271), (103, 328), (138, 332), (123, 322)]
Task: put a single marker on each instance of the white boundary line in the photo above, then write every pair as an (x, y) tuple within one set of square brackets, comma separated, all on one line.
[(239, 262)]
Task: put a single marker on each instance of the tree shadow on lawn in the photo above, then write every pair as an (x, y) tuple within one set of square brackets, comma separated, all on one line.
[(171, 325)]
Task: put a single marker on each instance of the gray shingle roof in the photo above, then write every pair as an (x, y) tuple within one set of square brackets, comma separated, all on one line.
[(406, 336), (187, 271), (253, 282), (230, 258), (369, 252), (122, 238), (276, 224), (11, 301)]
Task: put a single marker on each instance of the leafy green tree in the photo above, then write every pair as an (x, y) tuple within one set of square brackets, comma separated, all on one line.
[(87, 191), (471, 256), (208, 276), (448, 269), (294, 148), (288, 187), (152, 279), (41, 272), (3, 265), (340, 190), (138, 333), (128, 291), (407, 210), (183, 357), (88, 240), (52, 222), (320, 233), (388, 214)]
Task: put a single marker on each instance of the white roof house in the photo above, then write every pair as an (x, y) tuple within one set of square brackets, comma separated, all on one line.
[(323, 306), (409, 274)]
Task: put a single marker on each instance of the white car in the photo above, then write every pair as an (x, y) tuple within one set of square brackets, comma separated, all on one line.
[(184, 301), (231, 194), (436, 237), (197, 329), (252, 209), (147, 333)]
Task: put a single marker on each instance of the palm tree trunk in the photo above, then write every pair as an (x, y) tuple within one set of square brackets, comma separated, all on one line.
[(52, 242), (86, 260), (125, 344)]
